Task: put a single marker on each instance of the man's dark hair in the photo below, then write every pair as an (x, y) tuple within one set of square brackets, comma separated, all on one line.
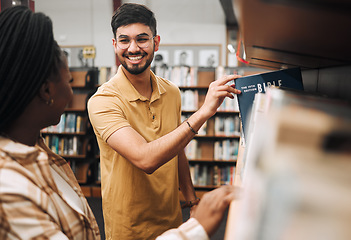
[(130, 13), (28, 56)]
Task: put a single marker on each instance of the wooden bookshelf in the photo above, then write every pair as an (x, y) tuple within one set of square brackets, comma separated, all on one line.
[(86, 163), (209, 150), (204, 161), (73, 138), (310, 35)]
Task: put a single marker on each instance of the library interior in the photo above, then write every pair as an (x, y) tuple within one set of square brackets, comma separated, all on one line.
[(284, 142)]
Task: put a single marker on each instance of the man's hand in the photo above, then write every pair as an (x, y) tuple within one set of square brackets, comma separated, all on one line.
[(217, 91)]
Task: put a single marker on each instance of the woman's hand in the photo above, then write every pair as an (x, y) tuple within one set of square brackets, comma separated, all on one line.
[(210, 211)]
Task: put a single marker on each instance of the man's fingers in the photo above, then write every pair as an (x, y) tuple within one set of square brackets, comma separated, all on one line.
[(228, 89), (226, 78), (236, 91)]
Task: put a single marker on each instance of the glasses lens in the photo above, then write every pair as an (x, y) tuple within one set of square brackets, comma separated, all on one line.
[(123, 43), (143, 42)]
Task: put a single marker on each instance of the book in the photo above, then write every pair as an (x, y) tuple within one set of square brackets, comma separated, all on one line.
[(296, 181), (258, 83), (70, 123)]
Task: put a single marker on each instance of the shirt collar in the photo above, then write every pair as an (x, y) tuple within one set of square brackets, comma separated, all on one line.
[(15, 149), (21, 151), (130, 93)]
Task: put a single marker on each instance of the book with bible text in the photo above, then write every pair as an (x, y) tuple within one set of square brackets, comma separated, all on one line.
[(258, 83)]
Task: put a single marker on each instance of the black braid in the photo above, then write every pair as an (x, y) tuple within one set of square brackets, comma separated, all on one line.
[(28, 55)]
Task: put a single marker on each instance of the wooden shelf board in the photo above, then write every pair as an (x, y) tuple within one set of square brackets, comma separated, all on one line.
[(64, 133), (211, 161)]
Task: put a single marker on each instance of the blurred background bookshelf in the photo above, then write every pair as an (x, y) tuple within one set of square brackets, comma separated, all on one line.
[(212, 154)]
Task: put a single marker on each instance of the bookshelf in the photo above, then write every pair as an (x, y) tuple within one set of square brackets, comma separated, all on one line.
[(295, 171), (286, 34), (210, 165), (73, 138), (213, 152)]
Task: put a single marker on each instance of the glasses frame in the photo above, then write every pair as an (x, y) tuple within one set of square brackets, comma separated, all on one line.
[(134, 38)]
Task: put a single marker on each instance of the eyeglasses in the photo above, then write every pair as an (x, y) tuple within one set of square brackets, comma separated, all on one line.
[(141, 41)]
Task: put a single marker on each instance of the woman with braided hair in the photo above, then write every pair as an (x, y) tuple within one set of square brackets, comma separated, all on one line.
[(40, 197)]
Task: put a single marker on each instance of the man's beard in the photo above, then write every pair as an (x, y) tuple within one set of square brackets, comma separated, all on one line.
[(135, 69)]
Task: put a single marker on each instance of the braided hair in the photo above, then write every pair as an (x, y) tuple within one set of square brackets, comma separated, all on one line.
[(28, 55)]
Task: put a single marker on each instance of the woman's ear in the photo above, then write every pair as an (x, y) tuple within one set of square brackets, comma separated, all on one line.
[(45, 91)]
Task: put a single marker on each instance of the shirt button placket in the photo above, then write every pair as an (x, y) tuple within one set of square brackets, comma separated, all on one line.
[(150, 112), (152, 115)]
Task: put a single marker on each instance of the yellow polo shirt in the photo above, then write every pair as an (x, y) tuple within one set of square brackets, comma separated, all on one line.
[(136, 205)]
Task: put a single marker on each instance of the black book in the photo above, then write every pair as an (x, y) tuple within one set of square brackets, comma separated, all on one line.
[(258, 83)]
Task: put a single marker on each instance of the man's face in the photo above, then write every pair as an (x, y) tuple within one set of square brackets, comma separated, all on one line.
[(136, 57)]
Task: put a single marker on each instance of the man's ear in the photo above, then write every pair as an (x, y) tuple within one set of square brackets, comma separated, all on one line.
[(157, 40), (114, 43)]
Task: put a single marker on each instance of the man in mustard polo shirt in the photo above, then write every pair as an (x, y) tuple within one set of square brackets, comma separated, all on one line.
[(136, 119)]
